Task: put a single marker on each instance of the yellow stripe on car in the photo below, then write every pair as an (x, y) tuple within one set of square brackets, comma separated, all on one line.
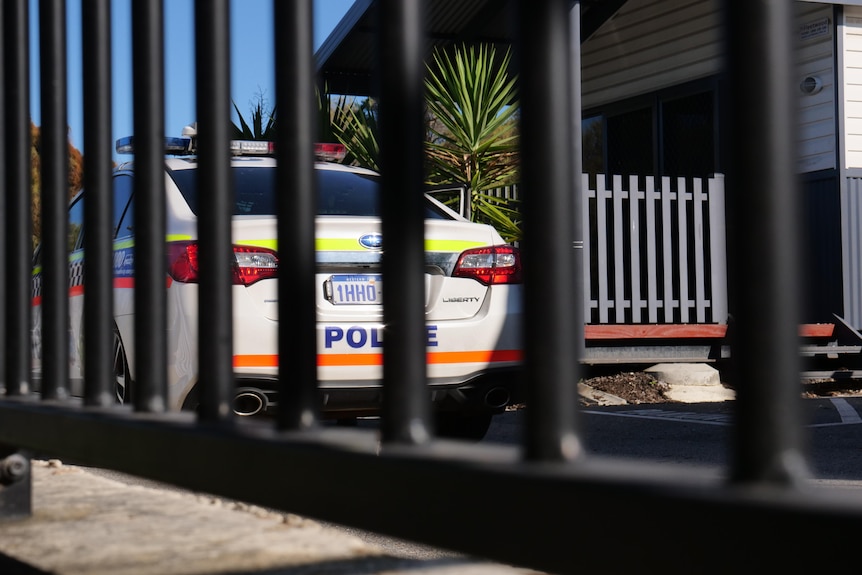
[(352, 245)]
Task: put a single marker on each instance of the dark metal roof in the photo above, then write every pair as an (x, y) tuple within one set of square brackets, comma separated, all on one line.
[(345, 60)]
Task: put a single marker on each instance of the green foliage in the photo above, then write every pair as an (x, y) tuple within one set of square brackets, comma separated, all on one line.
[(262, 122), (355, 125), (473, 138)]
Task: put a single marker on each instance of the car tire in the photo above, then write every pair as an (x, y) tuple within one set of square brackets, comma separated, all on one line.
[(122, 378), (469, 426)]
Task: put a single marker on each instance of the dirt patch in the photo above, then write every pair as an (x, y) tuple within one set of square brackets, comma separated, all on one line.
[(633, 386), (641, 387), (831, 387)]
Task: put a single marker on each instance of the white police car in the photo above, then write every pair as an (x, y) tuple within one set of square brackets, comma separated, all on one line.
[(473, 289)]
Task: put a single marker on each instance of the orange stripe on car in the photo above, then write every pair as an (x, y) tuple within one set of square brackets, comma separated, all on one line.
[(484, 356), (349, 359), (269, 360), (360, 359)]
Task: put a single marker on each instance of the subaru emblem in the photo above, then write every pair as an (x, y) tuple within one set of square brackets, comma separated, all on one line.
[(371, 241)]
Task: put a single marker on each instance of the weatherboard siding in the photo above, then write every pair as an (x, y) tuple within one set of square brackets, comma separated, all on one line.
[(649, 45), (816, 58), (852, 102)]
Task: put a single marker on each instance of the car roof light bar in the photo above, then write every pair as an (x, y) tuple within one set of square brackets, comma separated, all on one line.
[(328, 152), (251, 148), (185, 146), (173, 146)]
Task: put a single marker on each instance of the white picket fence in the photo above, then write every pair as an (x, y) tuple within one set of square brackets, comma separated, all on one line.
[(656, 249)]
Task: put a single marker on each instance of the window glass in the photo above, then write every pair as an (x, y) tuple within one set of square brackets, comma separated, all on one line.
[(76, 224), (668, 133), (593, 145), (630, 143), (688, 142), (339, 193), (123, 211)]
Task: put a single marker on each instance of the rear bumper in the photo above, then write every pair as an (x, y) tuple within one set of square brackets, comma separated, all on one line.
[(490, 391)]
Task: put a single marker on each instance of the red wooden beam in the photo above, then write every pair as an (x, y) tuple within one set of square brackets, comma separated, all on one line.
[(685, 331)]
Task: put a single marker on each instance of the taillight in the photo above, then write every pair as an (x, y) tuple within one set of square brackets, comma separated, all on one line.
[(183, 262), (490, 265), (254, 264), (251, 264)]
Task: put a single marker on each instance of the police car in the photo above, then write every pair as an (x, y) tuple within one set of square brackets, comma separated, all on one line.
[(473, 293)]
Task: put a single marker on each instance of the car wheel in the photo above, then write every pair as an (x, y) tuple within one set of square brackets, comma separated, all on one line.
[(470, 426), (122, 379)]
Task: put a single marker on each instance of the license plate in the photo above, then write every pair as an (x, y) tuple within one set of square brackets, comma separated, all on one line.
[(354, 289)]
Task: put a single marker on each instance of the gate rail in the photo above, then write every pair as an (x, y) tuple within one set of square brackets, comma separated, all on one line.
[(548, 504)]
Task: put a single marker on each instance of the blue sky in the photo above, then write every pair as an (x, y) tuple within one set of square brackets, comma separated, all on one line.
[(251, 50)]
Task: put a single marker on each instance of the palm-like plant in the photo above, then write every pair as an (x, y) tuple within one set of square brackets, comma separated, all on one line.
[(262, 123), (473, 139), (355, 126), (472, 131)]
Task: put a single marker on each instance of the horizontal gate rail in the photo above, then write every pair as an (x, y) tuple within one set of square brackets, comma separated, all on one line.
[(561, 518), (546, 504)]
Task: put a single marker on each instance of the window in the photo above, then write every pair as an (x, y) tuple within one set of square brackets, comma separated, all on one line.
[(593, 146), (76, 224), (687, 136), (339, 193), (123, 208), (630, 143), (667, 133)]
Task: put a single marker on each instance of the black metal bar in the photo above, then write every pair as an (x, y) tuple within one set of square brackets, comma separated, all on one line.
[(519, 513), (54, 200), (406, 404), (99, 207), (150, 273), (4, 136), (19, 240), (551, 338), (578, 255), (297, 340), (764, 251), (215, 302)]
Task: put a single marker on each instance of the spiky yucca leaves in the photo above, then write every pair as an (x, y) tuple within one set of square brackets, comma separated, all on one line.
[(473, 138), (258, 130), (355, 125)]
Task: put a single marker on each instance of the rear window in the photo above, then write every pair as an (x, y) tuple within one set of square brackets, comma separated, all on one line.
[(339, 193)]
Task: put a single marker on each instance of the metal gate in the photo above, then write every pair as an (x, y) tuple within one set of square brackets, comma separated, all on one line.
[(561, 502)]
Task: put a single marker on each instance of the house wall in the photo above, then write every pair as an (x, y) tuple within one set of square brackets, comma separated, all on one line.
[(649, 45), (851, 33), (817, 111), (655, 44), (850, 64), (652, 45)]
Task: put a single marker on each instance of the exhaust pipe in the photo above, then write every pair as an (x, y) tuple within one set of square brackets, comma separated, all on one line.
[(248, 402), (497, 397)]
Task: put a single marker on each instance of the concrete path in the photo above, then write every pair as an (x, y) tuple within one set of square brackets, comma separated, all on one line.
[(85, 524)]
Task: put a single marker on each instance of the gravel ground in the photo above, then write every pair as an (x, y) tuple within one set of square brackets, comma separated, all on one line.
[(641, 387)]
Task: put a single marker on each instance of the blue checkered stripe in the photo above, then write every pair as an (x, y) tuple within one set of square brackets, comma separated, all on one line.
[(76, 273), (76, 278), (36, 285)]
